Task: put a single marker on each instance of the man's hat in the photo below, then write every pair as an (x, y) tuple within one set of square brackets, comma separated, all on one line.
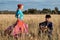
[(48, 16)]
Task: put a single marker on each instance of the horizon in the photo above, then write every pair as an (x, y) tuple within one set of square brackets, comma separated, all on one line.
[(11, 5)]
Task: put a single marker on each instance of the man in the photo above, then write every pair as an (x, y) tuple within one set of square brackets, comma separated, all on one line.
[(46, 26)]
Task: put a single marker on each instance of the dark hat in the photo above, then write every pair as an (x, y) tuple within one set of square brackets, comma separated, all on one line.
[(48, 16)]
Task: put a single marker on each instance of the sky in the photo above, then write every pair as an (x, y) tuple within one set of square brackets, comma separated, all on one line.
[(44, 3), (34, 0)]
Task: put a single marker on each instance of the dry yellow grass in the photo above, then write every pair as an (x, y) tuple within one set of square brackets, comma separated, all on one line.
[(32, 21)]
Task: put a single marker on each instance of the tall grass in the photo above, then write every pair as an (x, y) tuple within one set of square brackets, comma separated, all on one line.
[(33, 22)]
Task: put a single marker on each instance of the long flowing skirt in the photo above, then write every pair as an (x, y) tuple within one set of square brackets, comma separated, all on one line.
[(17, 28), (20, 27)]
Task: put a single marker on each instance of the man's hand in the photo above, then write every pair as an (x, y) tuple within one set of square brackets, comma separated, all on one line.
[(44, 28)]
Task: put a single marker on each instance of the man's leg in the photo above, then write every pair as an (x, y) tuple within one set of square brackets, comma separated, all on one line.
[(50, 35)]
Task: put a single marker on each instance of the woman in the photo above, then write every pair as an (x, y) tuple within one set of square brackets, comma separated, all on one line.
[(20, 27)]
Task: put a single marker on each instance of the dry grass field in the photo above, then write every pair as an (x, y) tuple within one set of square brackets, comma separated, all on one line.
[(33, 21)]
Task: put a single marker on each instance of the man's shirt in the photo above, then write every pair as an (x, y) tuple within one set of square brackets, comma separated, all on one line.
[(48, 24)]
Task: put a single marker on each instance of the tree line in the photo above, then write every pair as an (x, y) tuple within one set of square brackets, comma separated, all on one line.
[(34, 11)]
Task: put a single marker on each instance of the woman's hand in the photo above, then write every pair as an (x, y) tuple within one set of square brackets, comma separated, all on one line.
[(18, 16)]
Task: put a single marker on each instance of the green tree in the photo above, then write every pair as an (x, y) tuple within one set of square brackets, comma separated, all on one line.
[(56, 10)]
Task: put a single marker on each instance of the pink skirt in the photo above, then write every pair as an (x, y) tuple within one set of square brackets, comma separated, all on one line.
[(20, 27)]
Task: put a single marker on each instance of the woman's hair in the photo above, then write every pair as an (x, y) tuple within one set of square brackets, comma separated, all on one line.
[(19, 5)]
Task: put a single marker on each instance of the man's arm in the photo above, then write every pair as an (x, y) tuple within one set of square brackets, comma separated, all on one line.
[(50, 26), (40, 25)]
